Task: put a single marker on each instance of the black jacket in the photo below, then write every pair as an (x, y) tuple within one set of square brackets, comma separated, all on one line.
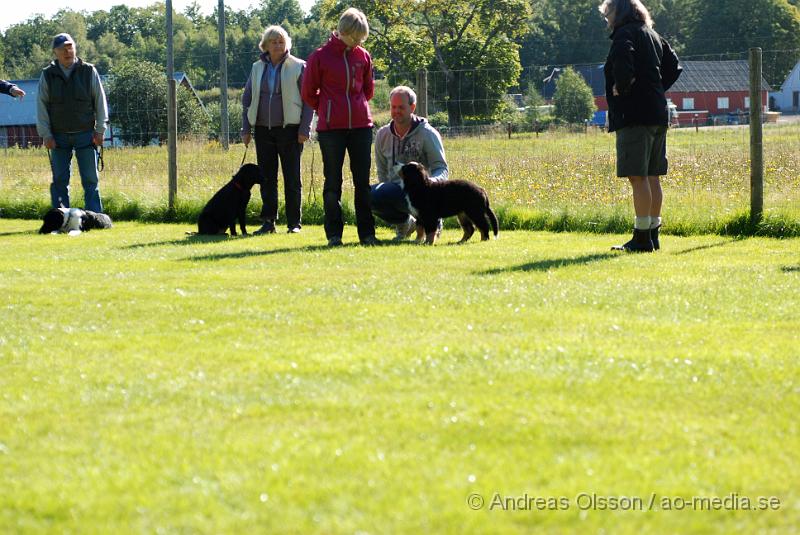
[(643, 66)]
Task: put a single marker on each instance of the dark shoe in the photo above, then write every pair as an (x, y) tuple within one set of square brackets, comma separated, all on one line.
[(293, 230), (336, 241), (370, 241), (640, 243), (267, 228), (654, 238)]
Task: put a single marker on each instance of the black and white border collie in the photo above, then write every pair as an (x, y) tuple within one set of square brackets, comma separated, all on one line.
[(72, 221)]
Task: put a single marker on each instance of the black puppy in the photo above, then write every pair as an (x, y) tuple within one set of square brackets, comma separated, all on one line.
[(429, 201), (230, 203), (73, 220)]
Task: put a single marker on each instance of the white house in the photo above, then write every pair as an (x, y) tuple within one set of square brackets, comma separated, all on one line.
[(787, 100)]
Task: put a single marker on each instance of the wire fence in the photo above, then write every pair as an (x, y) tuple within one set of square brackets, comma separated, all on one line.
[(556, 169)]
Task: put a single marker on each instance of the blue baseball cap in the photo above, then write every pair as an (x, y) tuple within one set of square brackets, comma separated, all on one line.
[(62, 39)]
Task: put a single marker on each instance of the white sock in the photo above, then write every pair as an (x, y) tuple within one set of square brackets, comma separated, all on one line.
[(642, 222), (655, 222)]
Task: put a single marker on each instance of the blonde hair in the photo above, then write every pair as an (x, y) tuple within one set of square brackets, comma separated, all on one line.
[(273, 32), (618, 12), (353, 23)]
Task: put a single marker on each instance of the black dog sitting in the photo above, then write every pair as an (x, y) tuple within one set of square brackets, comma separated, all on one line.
[(73, 220), (429, 201), (230, 203)]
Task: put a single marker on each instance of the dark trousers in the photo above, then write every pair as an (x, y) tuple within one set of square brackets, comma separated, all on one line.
[(389, 202), (272, 144), (358, 144)]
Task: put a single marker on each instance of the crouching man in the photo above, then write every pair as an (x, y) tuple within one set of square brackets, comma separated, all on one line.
[(407, 138)]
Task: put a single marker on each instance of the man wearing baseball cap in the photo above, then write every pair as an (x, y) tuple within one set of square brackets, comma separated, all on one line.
[(71, 117)]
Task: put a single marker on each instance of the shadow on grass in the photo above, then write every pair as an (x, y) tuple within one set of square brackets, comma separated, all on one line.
[(791, 269), (19, 233), (552, 263), (708, 246), (188, 240), (281, 250)]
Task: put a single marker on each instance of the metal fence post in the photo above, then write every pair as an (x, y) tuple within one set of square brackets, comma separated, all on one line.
[(756, 138)]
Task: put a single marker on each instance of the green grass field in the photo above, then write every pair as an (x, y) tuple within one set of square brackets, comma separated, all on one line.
[(556, 181), (151, 382)]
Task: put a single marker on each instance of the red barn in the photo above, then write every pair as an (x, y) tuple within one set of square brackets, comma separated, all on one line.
[(704, 89), (709, 88)]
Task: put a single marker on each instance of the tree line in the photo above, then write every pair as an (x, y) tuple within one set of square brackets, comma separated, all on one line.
[(479, 46)]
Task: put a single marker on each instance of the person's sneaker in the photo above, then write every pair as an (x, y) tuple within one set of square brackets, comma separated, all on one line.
[(293, 230), (336, 241), (404, 230), (267, 228), (369, 241)]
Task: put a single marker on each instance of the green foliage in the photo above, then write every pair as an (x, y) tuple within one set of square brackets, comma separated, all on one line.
[(573, 100), (234, 119), (773, 25), (281, 12), (470, 43), (137, 97)]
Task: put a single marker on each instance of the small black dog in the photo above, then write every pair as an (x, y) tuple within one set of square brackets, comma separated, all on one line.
[(230, 203), (429, 201), (73, 220)]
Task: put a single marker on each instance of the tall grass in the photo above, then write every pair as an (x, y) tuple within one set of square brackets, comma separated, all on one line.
[(553, 181)]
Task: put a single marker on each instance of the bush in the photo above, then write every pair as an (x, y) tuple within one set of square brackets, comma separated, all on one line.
[(573, 99), (137, 97)]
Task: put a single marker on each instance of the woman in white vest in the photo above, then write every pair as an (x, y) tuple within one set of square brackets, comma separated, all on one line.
[(275, 115)]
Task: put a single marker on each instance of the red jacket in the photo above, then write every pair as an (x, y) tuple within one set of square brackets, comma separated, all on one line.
[(337, 84)]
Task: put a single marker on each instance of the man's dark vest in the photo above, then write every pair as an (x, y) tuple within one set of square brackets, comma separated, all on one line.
[(71, 106)]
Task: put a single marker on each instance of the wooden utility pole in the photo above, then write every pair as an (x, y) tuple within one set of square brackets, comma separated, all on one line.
[(756, 139), (172, 115), (223, 76)]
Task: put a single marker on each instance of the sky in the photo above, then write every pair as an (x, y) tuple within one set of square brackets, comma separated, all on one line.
[(16, 11)]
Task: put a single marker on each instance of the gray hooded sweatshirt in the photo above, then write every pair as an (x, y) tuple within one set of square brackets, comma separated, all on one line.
[(421, 144)]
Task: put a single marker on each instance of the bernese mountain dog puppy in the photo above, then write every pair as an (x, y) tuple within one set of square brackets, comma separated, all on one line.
[(230, 203), (429, 201)]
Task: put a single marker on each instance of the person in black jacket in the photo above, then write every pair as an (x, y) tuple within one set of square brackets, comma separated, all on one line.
[(640, 68)]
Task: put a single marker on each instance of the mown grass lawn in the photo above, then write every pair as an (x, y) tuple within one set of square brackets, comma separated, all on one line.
[(151, 382)]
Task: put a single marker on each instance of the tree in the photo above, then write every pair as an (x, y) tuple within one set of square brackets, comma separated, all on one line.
[(279, 12), (137, 98), (469, 41), (573, 100), (724, 26)]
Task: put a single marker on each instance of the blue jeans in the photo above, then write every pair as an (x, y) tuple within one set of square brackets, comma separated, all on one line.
[(388, 202), (61, 165)]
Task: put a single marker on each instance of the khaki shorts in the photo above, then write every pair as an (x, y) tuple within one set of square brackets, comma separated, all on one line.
[(642, 151)]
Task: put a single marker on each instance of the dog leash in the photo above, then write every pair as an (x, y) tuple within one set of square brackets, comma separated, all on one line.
[(101, 164), (245, 154)]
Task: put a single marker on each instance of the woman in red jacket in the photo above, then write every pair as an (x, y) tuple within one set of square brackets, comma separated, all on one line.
[(338, 84)]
